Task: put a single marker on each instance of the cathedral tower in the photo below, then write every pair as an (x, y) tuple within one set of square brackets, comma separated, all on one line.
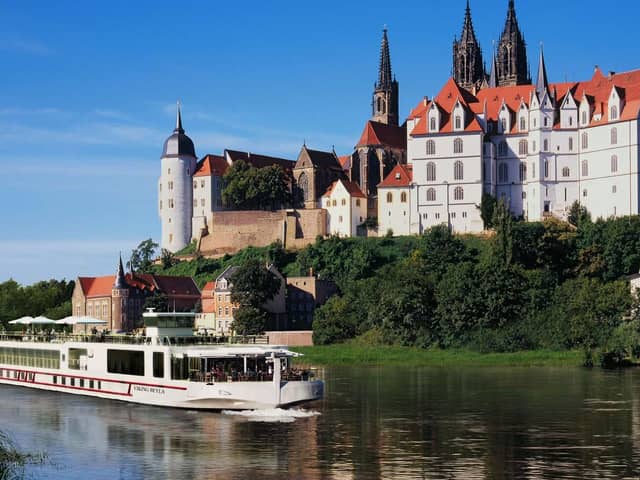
[(174, 188), (512, 65), (468, 68), (385, 94)]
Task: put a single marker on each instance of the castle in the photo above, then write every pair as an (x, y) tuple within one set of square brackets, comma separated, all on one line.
[(537, 145)]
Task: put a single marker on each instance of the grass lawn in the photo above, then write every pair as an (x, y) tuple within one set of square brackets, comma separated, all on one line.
[(348, 354)]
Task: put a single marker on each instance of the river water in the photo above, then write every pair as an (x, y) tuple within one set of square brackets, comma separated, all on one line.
[(396, 423)]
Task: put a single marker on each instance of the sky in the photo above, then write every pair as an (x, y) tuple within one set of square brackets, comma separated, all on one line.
[(88, 93)]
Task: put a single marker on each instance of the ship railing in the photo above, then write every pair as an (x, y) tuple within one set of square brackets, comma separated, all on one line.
[(55, 337), (293, 375)]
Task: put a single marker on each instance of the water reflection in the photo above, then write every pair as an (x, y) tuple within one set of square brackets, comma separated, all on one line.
[(374, 423)]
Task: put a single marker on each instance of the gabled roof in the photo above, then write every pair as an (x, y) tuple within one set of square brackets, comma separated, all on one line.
[(376, 133), (400, 176), (257, 160), (102, 286), (352, 189), (211, 165), (318, 159)]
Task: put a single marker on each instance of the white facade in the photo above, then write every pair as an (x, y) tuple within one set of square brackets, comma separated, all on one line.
[(538, 155), (346, 209), (207, 198), (395, 213)]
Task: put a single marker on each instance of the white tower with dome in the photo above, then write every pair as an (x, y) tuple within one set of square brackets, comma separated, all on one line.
[(174, 188)]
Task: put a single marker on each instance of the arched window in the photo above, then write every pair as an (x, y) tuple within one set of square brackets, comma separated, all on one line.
[(303, 187), (431, 195), (431, 172), (432, 124), (614, 136), (458, 170), (571, 144), (431, 147), (614, 163), (546, 169), (458, 193), (457, 145), (614, 113), (585, 140), (566, 172), (523, 124), (379, 104), (403, 197), (523, 147), (523, 172), (503, 173), (389, 197), (502, 148), (458, 122), (545, 145), (585, 168)]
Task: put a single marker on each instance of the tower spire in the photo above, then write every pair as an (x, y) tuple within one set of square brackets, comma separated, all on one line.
[(384, 72), (512, 65), (179, 128), (468, 67), (120, 282), (493, 75), (542, 83)]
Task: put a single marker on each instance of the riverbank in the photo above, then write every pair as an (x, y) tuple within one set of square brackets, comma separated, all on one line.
[(349, 354)]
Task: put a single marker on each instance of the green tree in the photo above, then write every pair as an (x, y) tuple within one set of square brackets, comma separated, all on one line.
[(167, 258), (578, 214), (503, 241), (159, 302), (487, 207), (336, 321), (250, 188), (142, 257), (252, 285)]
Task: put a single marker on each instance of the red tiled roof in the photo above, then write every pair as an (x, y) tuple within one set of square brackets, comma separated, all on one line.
[(376, 133), (211, 165), (260, 161), (345, 161), (596, 91), (351, 187), (102, 286), (400, 176)]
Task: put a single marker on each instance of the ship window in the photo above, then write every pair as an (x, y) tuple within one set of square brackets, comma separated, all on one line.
[(63, 380), (55, 379), (179, 368), (72, 382), (99, 385), (82, 383), (126, 362), (158, 364), (74, 357), (91, 385)]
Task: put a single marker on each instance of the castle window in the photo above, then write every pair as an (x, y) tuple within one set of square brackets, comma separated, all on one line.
[(403, 197), (503, 173), (202, 184), (570, 121), (585, 168), (614, 189), (432, 124), (614, 136), (502, 148), (585, 140), (160, 204), (503, 123), (458, 122), (357, 202), (457, 145), (169, 171), (458, 193), (546, 168), (546, 121), (379, 104), (584, 193), (533, 170), (340, 219), (343, 202), (170, 241), (545, 145), (523, 124), (571, 144), (523, 172), (614, 163), (614, 113), (458, 170), (195, 184), (431, 147), (431, 195), (523, 147), (566, 172), (389, 197), (334, 203), (431, 172)]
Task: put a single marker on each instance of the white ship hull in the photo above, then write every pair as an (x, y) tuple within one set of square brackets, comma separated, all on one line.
[(90, 375)]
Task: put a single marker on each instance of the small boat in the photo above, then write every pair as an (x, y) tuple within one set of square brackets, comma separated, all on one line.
[(167, 366)]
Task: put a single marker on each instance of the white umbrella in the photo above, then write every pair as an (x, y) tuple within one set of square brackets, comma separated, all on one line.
[(43, 321), (82, 321), (21, 321)]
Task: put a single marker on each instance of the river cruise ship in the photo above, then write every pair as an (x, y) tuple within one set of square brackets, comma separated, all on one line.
[(167, 366)]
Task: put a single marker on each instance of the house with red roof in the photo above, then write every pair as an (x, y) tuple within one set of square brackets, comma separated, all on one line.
[(346, 208), (119, 299), (395, 212)]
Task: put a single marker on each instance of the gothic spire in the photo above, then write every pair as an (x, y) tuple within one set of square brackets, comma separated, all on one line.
[(468, 67), (468, 34), (384, 72), (512, 65), (178, 128), (120, 282), (542, 83), (493, 75)]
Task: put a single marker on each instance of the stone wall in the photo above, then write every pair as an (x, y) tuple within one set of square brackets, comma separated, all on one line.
[(232, 231), (303, 338)]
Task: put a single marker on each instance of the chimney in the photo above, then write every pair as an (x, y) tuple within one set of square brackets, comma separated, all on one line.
[(611, 74), (425, 100)]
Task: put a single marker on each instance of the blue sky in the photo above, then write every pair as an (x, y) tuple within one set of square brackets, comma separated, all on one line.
[(88, 92)]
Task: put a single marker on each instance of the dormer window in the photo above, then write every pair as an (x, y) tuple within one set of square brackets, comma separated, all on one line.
[(458, 122), (613, 112), (503, 124), (432, 124), (584, 118), (523, 124)]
